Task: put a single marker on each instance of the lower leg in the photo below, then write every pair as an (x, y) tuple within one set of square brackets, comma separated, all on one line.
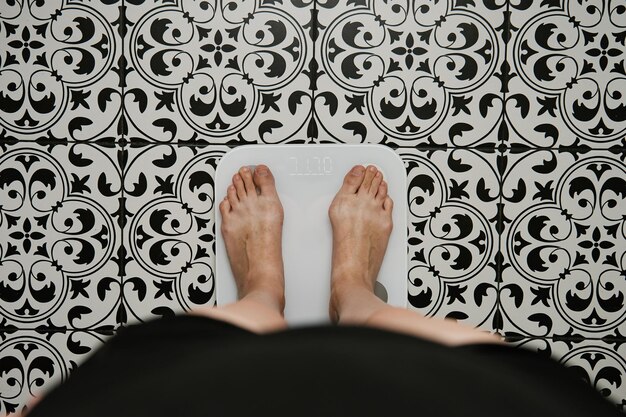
[(361, 219), (257, 312), (361, 307)]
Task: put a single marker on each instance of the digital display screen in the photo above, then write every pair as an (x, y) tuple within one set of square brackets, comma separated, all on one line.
[(312, 165)]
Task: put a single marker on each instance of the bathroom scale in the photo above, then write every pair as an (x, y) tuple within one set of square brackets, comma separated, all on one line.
[(307, 179)]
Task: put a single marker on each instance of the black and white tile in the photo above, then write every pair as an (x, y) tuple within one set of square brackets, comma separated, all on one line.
[(452, 234), (600, 363), (409, 73), (60, 73), (60, 222), (33, 362), (170, 229), (218, 71), (567, 75), (564, 249), (508, 115)]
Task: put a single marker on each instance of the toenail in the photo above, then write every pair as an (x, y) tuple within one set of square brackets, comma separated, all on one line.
[(245, 169), (358, 171), (231, 188), (378, 174), (262, 171), (371, 168)]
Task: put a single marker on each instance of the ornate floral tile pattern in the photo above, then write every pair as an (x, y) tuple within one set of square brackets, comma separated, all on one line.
[(218, 71), (564, 254), (510, 117), (453, 236), (170, 229), (567, 76), (409, 73), (598, 362), (60, 69), (60, 216), (33, 361)]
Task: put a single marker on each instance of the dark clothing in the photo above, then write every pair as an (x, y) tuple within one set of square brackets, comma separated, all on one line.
[(194, 366)]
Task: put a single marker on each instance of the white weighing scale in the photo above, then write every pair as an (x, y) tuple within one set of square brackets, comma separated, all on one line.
[(307, 179)]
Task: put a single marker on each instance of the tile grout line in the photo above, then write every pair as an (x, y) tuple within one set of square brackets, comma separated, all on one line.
[(417, 148), (500, 204), (313, 85), (122, 260)]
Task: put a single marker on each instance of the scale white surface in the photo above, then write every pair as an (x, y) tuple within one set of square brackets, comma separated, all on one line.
[(307, 179)]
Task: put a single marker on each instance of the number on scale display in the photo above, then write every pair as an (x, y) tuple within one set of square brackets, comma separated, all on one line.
[(315, 165)]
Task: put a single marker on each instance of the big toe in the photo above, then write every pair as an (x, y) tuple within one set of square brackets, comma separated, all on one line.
[(353, 179), (264, 179)]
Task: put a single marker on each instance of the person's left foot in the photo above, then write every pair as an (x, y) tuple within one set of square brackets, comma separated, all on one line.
[(252, 224)]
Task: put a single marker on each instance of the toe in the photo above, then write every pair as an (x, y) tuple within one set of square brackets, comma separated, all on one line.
[(225, 207), (388, 204), (370, 172), (353, 179), (231, 194), (241, 189), (382, 191), (246, 175), (378, 179), (264, 179)]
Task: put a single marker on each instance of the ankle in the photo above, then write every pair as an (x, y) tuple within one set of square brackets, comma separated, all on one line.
[(349, 301), (271, 297), (345, 277)]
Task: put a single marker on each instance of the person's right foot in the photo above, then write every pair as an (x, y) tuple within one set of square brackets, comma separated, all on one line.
[(252, 226), (360, 216)]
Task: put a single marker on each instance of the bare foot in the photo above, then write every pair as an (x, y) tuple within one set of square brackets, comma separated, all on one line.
[(360, 216), (252, 225)]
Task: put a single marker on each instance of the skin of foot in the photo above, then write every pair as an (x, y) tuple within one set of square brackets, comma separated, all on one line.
[(252, 224), (360, 215)]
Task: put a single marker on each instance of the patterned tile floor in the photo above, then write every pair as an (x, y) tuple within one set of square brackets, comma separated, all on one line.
[(510, 117)]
